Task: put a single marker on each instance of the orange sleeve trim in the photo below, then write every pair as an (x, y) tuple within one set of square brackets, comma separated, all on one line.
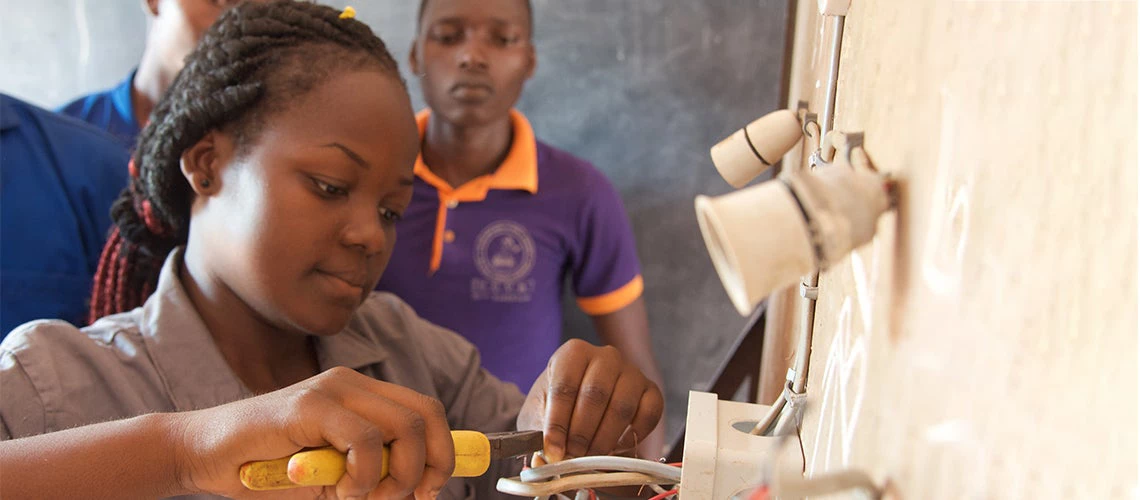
[(613, 301)]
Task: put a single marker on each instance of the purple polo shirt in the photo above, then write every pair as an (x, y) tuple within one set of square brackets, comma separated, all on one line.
[(488, 259)]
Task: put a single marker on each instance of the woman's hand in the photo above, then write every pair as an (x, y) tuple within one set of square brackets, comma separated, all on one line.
[(588, 401), (340, 407)]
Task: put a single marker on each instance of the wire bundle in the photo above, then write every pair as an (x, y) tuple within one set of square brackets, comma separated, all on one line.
[(587, 473)]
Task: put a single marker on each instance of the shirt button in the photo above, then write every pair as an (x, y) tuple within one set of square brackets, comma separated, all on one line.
[(448, 236), (452, 203)]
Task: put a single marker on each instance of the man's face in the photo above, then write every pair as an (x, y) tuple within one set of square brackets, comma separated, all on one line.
[(180, 24), (473, 57)]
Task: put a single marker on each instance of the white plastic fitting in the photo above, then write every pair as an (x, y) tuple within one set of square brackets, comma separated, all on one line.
[(721, 460), (843, 205), (834, 7), (750, 151), (767, 236)]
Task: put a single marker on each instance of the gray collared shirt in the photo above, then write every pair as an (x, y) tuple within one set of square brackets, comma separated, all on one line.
[(160, 358)]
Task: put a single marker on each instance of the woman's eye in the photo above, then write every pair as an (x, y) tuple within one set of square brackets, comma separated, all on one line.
[(330, 190), (390, 215)]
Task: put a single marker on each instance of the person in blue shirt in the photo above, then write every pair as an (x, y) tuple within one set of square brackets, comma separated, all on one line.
[(175, 28), (58, 180)]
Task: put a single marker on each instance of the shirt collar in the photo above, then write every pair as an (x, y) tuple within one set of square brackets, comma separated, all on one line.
[(8, 118), (192, 367), (194, 370), (121, 97), (519, 170), (349, 348)]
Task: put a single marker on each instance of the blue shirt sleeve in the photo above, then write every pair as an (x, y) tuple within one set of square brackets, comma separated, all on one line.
[(58, 182)]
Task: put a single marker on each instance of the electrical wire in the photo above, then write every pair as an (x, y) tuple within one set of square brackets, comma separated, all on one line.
[(517, 487), (761, 428), (666, 473), (662, 496)]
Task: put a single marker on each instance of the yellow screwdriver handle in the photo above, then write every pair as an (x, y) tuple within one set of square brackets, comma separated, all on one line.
[(325, 466)]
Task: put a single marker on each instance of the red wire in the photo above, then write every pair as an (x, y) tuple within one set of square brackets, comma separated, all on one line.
[(760, 493), (593, 496), (665, 495), (674, 464)]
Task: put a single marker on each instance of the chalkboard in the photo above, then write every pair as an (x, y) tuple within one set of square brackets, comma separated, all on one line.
[(642, 88)]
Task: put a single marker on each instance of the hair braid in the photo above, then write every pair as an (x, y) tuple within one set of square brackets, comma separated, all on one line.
[(247, 67)]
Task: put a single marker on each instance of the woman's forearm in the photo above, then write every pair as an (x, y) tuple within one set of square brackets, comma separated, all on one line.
[(132, 458)]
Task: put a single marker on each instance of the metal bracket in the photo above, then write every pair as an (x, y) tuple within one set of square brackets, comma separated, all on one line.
[(796, 402), (811, 119), (816, 159), (809, 292)]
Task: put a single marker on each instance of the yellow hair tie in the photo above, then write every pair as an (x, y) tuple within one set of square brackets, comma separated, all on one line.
[(349, 13)]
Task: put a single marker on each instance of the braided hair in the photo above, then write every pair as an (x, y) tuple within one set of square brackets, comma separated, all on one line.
[(248, 66)]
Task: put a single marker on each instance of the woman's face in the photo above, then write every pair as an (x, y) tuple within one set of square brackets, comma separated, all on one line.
[(302, 224)]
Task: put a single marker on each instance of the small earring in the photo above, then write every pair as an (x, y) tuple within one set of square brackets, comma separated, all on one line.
[(205, 183)]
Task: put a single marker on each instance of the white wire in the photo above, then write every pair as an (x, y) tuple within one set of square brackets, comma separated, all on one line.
[(800, 366), (773, 414), (514, 486), (667, 473)]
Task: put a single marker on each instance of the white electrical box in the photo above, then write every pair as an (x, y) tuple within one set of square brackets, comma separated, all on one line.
[(722, 459)]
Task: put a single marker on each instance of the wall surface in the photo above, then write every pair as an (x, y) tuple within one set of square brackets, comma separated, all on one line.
[(641, 88), (984, 345)]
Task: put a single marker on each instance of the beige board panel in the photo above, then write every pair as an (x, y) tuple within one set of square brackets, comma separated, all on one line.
[(985, 344)]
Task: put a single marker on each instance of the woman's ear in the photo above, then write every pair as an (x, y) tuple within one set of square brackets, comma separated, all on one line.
[(201, 163)]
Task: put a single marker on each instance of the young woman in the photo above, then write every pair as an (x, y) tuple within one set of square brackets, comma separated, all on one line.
[(260, 217)]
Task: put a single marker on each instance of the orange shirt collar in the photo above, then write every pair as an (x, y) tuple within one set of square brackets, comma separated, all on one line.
[(518, 171)]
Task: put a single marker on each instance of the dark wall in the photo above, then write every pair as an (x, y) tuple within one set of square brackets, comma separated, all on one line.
[(642, 88)]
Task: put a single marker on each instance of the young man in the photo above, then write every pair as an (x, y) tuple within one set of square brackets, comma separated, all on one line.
[(175, 28), (499, 220), (59, 179)]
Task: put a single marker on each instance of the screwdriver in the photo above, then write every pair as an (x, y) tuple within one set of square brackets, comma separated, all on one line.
[(325, 466)]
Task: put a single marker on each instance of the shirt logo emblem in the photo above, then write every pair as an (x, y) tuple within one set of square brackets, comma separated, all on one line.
[(504, 255)]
